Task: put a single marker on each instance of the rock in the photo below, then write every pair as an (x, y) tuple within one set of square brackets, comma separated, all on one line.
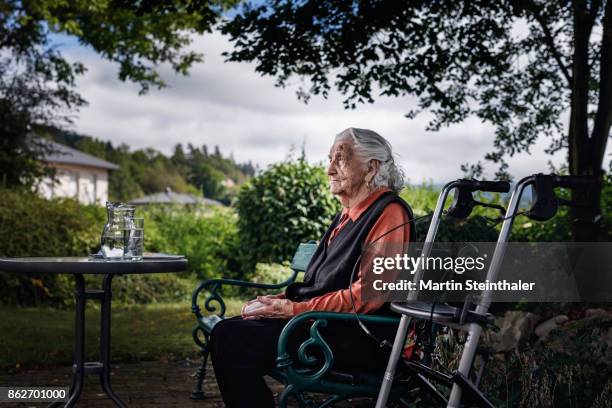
[(597, 313), (549, 325), (514, 328)]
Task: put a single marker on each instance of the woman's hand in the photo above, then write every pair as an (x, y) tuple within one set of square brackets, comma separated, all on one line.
[(257, 299), (272, 307)]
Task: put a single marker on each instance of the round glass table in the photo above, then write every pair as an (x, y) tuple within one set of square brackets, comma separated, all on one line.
[(84, 266)]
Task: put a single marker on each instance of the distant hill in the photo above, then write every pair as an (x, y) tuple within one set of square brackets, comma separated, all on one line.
[(190, 169)]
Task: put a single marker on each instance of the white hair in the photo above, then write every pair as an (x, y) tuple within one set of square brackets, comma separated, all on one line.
[(369, 145)]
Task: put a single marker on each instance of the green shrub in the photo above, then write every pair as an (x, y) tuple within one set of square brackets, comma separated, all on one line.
[(422, 198), (33, 226), (287, 204), (271, 273), (208, 238), (268, 273)]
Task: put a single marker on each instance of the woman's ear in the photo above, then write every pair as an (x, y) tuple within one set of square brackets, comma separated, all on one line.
[(373, 166)]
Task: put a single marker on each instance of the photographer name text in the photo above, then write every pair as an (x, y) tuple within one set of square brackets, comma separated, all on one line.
[(502, 285)]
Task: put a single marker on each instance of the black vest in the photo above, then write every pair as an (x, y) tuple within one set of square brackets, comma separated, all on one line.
[(330, 267)]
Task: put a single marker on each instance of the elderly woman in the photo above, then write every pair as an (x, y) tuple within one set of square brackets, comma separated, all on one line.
[(364, 177)]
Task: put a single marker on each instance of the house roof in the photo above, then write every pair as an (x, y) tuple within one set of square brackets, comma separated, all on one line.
[(68, 155), (171, 197)]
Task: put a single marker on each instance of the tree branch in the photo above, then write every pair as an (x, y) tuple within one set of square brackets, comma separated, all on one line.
[(549, 40), (594, 9)]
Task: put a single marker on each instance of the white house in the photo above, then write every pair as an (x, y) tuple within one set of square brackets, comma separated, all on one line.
[(78, 175)]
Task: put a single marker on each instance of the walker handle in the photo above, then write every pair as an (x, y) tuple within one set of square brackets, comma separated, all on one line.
[(574, 181), (493, 186), (499, 186), (464, 202)]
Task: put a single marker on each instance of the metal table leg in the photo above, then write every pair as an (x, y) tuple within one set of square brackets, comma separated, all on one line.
[(105, 327), (80, 367)]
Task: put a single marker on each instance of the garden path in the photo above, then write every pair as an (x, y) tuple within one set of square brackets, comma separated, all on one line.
[(149, 384)]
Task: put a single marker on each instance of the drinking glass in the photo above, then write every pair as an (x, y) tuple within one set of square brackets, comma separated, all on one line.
[(135, 246)]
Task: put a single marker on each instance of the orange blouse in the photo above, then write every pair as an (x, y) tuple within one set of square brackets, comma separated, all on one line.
[(339, 301)]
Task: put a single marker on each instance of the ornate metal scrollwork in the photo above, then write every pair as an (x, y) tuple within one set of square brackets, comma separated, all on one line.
[(195, 333), (212, 286), (316, 340), (215, 296)]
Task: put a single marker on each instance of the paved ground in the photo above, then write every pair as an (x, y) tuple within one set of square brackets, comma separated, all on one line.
[(144, 384), (140, 385)]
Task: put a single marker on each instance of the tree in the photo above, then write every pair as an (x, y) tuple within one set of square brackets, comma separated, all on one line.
[(179, 160), (209, 180), (37, 82), (520, 65), (26, 98), (205, 174)]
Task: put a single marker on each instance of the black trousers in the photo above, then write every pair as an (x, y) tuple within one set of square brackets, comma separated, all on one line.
[(243, 351)]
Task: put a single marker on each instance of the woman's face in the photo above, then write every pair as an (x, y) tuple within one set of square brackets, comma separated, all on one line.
[(346, 170)]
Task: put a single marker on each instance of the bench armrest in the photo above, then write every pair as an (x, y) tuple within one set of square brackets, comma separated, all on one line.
[(284, 361), (213, 286)]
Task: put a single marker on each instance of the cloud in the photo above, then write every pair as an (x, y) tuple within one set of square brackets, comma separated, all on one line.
[(230, 105)]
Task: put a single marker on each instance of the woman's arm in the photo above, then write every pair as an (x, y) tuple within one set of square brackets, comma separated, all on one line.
[(339, 301)]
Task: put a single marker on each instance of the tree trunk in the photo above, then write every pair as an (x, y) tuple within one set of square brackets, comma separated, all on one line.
[(586, 153)]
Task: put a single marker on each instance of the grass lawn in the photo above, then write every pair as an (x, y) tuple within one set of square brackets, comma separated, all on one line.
[(34, 336)]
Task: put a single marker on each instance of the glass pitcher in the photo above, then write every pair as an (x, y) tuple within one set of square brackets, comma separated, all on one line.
[(116, 240)]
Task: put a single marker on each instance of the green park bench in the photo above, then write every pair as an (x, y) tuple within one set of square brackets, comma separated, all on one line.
[(307, 375)]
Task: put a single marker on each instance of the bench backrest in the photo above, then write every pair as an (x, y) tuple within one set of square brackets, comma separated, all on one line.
[(302, 256)]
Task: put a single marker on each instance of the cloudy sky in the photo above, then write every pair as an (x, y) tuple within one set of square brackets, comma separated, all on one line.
[(229, 105)]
